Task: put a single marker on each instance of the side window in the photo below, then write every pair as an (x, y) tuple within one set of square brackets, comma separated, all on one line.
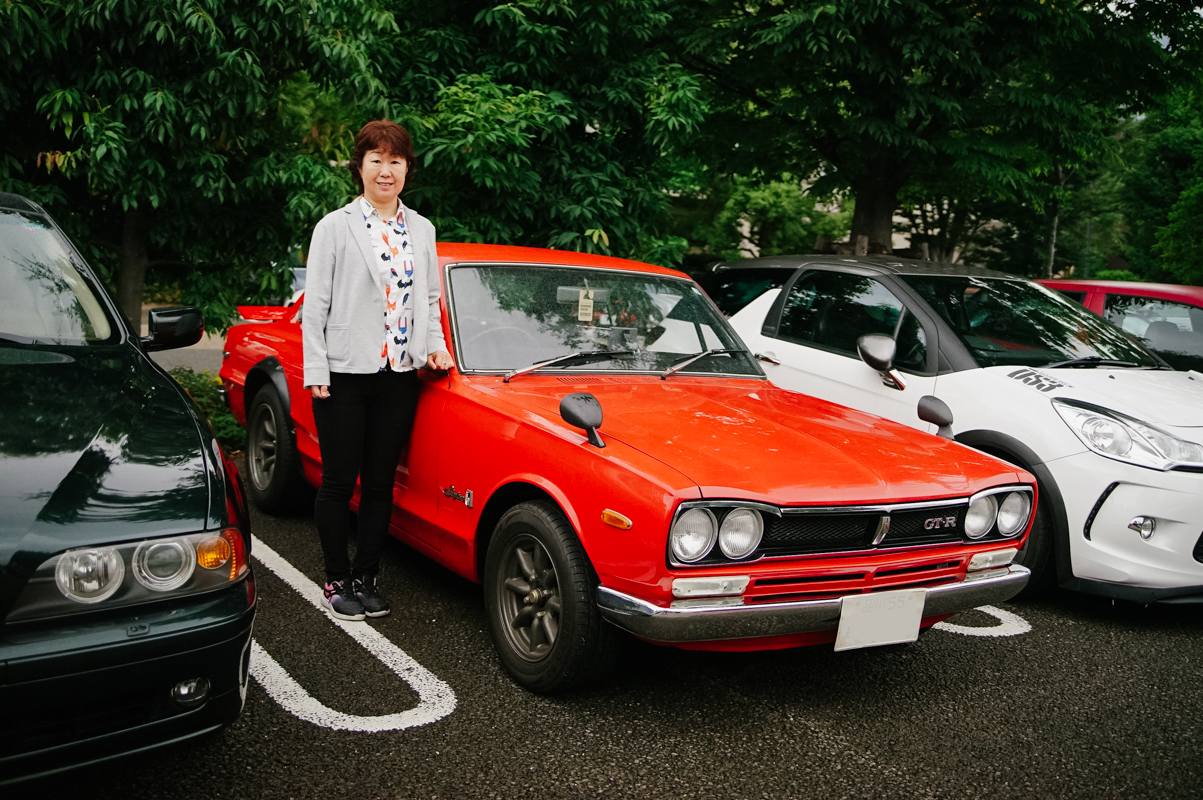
[(1175, 330), (1077, 297), (832, 310)]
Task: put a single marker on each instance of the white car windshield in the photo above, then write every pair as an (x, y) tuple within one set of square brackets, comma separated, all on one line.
[(511, 317), (1014, 322), (43, 297)]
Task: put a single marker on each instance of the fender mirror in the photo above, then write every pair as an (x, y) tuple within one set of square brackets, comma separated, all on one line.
[(582, 410), (877, 351), (934, 410)]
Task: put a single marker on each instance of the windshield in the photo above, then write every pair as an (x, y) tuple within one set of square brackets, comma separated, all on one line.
[(510, 317), (1012, 322), (43, 297)]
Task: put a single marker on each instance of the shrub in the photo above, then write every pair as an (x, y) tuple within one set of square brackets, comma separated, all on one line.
[(203, 388)]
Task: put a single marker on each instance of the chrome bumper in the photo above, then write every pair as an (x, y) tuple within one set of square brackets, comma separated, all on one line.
[(704, 620)]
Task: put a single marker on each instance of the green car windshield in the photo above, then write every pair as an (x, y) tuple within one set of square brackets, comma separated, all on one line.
[(1014, 322), (511, 317), (43, 297)]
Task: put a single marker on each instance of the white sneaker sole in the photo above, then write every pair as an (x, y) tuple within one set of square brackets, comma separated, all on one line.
[(349, 617)]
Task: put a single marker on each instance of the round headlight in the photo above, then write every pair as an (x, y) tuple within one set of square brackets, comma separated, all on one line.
[(1107, 435), (980, 517), (740, 533), (89, 576), (164, 565), (1013, 513), (693, 535)]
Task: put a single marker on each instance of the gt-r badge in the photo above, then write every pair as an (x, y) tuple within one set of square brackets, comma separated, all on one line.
[(935, 523)]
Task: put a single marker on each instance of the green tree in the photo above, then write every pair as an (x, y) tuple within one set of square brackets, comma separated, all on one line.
[(543, 122), (168, 132), (870, 95)]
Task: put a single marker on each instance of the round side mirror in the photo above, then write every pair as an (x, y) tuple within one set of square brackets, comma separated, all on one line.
[(583, 410), (934, 410)]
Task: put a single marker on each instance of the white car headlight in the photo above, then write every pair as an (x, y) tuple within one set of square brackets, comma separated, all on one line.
[(1126, 439), (693, 535), (740, 533), (979, 519)]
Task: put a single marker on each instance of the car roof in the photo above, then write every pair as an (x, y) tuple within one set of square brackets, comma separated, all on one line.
[(1164, 290), (15, 202), (882, 264), (452, 252)]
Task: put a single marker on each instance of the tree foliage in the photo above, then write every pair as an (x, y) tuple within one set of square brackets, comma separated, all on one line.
[(870, 96), (166, 132)]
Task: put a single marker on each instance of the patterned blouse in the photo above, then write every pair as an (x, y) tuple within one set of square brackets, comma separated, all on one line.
[(395, 266)]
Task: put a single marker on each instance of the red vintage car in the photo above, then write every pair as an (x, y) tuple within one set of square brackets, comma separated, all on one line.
[(1165, 316), (608, 455)]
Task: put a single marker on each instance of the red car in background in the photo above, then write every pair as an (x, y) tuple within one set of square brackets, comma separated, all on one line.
[(1167, 317), (710, 510)]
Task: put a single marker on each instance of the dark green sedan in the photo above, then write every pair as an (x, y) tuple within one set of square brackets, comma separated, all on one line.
[(126, 591)]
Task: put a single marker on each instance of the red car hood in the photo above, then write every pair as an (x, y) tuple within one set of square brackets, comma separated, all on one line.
[(750, 440)]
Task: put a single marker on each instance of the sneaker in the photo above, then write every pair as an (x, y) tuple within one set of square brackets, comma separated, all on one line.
[(368, 592), (340, 603)]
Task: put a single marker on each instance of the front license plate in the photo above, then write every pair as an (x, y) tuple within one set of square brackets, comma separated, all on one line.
[(868, 620)]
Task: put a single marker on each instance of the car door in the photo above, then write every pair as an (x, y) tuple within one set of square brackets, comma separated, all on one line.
[(813, 329)]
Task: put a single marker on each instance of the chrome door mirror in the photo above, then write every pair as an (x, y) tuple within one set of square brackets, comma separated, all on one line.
[(877, 350)]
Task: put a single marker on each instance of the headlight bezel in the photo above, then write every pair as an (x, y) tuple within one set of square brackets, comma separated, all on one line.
[(718, 511), (1146, 444), (43, 598)]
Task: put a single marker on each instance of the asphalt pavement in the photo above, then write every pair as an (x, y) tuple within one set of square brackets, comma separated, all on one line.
[(1077, 698)]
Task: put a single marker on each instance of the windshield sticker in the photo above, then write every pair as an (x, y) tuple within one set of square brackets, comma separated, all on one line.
[(1038, 380)]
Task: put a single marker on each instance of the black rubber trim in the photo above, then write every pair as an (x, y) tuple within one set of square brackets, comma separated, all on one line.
[(1179, 595), (1025, 458), (1198, 551), (274, 371), (1098, 505)]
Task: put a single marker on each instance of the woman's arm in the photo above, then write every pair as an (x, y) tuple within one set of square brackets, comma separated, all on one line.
[(319, 285), (436, 345)]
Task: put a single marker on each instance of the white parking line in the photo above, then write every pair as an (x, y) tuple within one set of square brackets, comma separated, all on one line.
[(435, 698), (1009, 624)]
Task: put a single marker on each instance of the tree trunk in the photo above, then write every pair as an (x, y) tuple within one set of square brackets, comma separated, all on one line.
[(876, 194), (1052, 238), (131, 267)]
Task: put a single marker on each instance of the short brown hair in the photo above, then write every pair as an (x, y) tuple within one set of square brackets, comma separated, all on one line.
[(381, 134)]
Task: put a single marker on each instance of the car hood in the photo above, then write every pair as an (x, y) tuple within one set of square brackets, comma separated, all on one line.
[(95, 447), (750, 440), (1159, 397)]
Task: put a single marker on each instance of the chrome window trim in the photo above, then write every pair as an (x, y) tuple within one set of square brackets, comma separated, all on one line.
[(453, 319)]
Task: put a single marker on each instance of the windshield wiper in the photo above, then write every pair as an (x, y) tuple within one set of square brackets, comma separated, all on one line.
[(583, 355), (1091, 361), (685, 361)]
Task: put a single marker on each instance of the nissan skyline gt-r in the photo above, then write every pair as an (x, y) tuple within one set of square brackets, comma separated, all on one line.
[(1112, 433), (607, 455), (125, 588)]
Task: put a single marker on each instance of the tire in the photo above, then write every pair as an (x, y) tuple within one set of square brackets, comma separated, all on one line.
[(1037, 554), (272, 463), (540, 594)]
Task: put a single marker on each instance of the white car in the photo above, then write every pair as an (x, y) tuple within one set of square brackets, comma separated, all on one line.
[(1114, 436)]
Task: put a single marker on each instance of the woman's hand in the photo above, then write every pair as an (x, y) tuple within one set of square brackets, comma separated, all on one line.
[(440, 360), (319, 392)]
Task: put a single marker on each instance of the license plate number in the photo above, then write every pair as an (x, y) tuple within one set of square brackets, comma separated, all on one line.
[(869, 620)]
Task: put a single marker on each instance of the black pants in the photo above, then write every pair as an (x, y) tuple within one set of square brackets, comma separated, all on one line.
[(362, 428)]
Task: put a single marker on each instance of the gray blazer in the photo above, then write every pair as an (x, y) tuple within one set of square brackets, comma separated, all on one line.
[(342, 324)]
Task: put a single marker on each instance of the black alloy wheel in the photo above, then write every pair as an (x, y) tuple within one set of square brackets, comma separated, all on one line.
[(540, 592), (271, 458)]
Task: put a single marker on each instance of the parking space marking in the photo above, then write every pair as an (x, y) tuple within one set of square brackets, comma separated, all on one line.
[(435, 698), (1009, 624)]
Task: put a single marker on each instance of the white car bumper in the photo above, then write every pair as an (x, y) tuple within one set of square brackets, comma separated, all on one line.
[(1104, 496)]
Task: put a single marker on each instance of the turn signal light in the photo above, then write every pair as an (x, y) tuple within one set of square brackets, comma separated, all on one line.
[(214, 552)]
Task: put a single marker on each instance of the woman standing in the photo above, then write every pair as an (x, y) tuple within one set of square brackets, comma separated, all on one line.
[(371, 319)]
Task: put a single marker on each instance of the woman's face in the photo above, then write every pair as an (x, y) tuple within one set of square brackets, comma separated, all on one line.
[(383, 177)]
